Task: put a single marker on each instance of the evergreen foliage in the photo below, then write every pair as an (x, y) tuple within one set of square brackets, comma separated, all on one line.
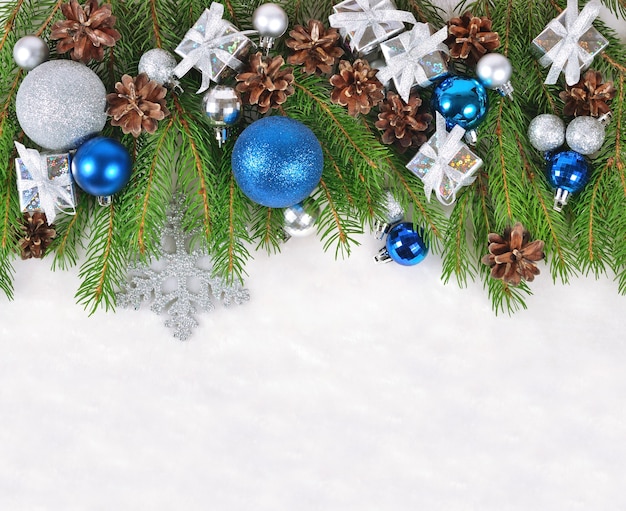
[(589, 236)]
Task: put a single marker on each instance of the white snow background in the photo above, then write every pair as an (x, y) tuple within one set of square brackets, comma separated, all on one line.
[(341, 385)]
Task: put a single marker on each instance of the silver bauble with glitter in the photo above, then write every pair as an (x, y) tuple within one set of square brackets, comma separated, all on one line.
[(546, 132), (60, 104), (585, 134), (159, 65), (271, 21), (300, 219), (30, 51), (222, 105)]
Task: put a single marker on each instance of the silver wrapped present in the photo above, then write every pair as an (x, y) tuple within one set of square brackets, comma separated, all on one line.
[(214, 47), (569, 43), (364, 24), (44, 182)]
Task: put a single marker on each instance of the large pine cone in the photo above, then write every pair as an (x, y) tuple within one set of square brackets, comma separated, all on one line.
[(470, 37), (264, 83), (403, 125), (36, 235), (316, 48), (86, 31), (589, 96)]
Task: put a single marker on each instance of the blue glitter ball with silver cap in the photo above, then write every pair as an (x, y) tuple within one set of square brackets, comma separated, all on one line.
[(101, 166), (277, 161), (461, 100), (568, 170), (405, 245)]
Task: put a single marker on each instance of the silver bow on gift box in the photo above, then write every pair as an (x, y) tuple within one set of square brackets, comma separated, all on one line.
[(445, 163), (208, 39), (54, 193), (405, 68), (368, 14), (568, 54)]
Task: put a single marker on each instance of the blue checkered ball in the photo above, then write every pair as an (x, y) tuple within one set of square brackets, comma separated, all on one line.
[(277, 161)]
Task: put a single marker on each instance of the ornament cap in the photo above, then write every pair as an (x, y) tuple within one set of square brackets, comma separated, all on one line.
[(560, 199), (471, 137), (382, 256), (605, 119), (381, 228), (506, 90), (105, 200)]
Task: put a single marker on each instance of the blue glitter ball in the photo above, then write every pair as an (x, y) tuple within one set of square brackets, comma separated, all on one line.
[(101, 166), (405, 245), (568, 170), (277, 161), (461, 100)]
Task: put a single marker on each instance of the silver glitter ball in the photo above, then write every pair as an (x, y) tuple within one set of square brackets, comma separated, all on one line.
[(546, 132), (60, 104), (394, 212), (30, 51), (159, 65), (585, 135), (222, 105), (300, 219)]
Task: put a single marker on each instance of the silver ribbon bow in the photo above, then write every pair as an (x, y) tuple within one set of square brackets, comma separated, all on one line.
[(49, 190), (418, 43), (365, 15), (448, 146), (209, 43), (567, 53)]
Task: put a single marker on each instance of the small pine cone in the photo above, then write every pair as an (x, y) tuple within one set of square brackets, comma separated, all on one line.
[(36, 235), (401, 122), (588, 97), (86, 30), (511, 256), (316, 48), (264, 83), (137, 105), (356, 87), (470, 37)]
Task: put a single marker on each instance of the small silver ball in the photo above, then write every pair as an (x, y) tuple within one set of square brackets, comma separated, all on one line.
[(222, 105), (546, 132), (394, 212), (494, 70), (30, 51), (270, 20), (60, 104), (300, 219), (585, 135), (159, 65)]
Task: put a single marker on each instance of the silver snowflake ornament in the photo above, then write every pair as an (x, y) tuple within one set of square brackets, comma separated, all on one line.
[(179, 282)]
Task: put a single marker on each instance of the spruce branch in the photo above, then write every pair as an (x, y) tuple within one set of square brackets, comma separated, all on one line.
[(70, 230)]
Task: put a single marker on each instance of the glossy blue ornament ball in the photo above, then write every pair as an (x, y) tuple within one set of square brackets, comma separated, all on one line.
[(101, 166), (405, 245), (461, 100), (277, 161), (568, 170)]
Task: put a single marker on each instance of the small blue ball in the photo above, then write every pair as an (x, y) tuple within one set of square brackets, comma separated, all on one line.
[(405, 245), (461, 100), (277, 161), (568, 170), (101, 166)]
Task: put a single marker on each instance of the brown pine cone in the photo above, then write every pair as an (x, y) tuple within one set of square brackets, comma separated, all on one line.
[(264, 83), (401, 122), (36, 235), (356, 87), (511, 256), (315, 47), (137, 105), (470, 37), (86, 31), (588, 97)]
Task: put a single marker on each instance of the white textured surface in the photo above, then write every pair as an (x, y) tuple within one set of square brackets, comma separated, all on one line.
[(340, 386)]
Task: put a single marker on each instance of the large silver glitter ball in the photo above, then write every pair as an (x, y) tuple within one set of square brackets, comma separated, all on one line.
[(222, 105), (60, 104), (585, 135), (30, 51), (546, 132), (394, 212), (270, 20), (300, 219), (159, 65)]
